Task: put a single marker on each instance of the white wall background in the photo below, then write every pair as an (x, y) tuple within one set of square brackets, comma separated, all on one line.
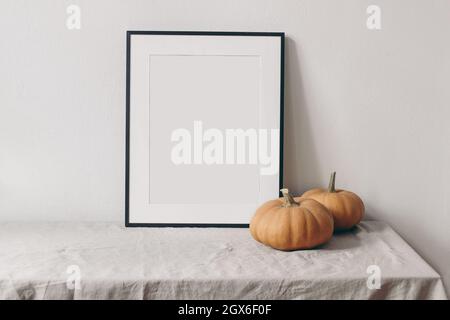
[(373, 105)]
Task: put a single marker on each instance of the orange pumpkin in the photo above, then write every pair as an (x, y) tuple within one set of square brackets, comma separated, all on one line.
[(346, 207), (290, 224)]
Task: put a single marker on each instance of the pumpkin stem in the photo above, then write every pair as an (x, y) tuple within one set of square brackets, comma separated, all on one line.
[(288, 199), (331, 186)]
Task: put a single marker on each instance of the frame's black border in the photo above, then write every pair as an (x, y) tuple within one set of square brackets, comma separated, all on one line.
[(127, 134)]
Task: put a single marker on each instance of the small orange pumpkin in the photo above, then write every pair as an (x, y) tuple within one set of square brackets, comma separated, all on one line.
[(346, 207), (290, 224)]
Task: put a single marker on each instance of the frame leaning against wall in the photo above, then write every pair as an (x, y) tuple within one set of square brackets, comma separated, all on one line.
[(279, 35)]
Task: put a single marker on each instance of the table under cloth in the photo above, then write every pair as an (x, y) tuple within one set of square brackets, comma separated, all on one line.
[(108, 261)]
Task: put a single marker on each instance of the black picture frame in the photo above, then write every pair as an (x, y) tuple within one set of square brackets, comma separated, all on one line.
[(281, 35)]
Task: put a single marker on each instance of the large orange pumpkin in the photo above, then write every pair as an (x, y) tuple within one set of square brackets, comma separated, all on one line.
[(290, 224), (346, 207)]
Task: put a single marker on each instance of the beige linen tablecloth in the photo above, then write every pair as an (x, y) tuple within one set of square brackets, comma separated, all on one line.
[(108, 261)]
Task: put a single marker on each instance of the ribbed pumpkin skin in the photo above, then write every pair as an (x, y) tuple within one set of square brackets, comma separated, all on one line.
[(290, 228), (346, 207)]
